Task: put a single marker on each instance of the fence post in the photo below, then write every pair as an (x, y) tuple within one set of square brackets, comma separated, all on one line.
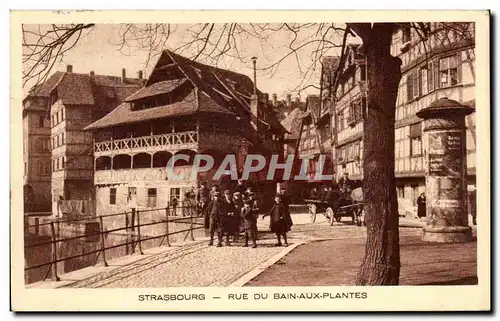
[(139, 232), (103, 245), (191, 224), (132, 229), (167, 229), (54, 253)]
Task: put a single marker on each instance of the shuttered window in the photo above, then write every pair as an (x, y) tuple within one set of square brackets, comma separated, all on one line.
[(112, 195), (152, 200)]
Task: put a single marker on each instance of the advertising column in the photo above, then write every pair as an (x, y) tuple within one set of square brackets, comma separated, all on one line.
[(445, 173)]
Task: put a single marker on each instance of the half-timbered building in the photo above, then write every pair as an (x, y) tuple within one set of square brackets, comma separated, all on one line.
[(184, 108)]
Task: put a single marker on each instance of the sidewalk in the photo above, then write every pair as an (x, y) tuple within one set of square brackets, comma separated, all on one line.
[(421, 264)]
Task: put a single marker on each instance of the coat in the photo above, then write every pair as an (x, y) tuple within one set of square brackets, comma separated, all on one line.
[(213, 213), (249, 218), (239, 205), (280, 220), (231, 219), (421, 206)]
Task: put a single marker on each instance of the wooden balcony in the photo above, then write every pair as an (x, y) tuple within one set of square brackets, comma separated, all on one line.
[(147, 144)]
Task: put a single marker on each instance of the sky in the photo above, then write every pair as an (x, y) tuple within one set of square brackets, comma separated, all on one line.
[(99, 51)]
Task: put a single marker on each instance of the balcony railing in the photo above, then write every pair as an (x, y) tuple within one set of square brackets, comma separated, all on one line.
[(188, 139)]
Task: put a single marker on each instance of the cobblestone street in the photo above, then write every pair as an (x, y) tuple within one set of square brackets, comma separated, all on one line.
[(198, 264)]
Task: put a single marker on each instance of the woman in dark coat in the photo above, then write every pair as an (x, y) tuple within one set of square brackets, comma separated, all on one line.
[(280, 220), (421, 204)]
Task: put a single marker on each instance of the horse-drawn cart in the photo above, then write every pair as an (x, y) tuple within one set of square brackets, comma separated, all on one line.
[(338, 206)]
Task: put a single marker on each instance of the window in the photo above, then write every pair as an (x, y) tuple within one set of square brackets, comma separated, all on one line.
[(175, 193), (53, 120), (25, 168), (406, 34), (413, 84), (112, 195), (62, 114), (40, 121), (340, 119), (53, 164), (63, 162), (62, 138), (132, 193), (151, 197), (416, 139), (325, 132), (448, 71)]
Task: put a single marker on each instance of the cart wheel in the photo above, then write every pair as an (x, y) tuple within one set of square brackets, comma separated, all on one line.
[(312, 212), (338, 216), (329, 215)]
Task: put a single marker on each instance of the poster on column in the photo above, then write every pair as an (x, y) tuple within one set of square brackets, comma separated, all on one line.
[(445, 154)]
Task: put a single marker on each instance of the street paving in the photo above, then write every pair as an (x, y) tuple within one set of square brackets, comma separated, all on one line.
[(202, 265)]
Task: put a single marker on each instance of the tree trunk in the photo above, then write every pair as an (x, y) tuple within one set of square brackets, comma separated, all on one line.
[(381, 264)]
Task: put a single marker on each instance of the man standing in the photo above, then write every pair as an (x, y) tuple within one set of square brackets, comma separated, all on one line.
[(238, 203), (215, 189), (255, 208), (203, 197), (345, 183), (215, 214), (472, 200), (240, 187), (229, 221), (249, 223)]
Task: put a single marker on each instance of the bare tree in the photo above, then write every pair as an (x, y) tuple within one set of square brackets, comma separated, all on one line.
[(211, 42), (44, 46)]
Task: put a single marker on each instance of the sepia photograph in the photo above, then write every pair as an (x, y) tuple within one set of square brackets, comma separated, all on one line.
[(275, 162)]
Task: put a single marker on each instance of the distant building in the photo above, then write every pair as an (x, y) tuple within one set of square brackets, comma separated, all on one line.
[(70, 101), (36, 151), (185, 108), (443, 68), (283, 108), (315, 140), (293, 124)]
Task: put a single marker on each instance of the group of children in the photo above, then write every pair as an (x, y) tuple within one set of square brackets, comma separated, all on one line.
[(235, 213)]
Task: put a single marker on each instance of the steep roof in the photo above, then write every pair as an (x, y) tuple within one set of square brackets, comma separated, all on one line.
[(83, 89), (217, 90), (192, 103), (292, 124)]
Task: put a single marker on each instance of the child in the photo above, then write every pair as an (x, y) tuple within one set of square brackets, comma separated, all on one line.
[(249, 222), (280, 221)]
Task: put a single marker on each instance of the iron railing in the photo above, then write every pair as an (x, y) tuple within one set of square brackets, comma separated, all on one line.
[(132, 227)]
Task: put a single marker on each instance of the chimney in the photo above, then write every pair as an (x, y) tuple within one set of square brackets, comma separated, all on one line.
[(124, 74), (69, 68), (139, 74), (288, 99), (254, 59), (92, 75)]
